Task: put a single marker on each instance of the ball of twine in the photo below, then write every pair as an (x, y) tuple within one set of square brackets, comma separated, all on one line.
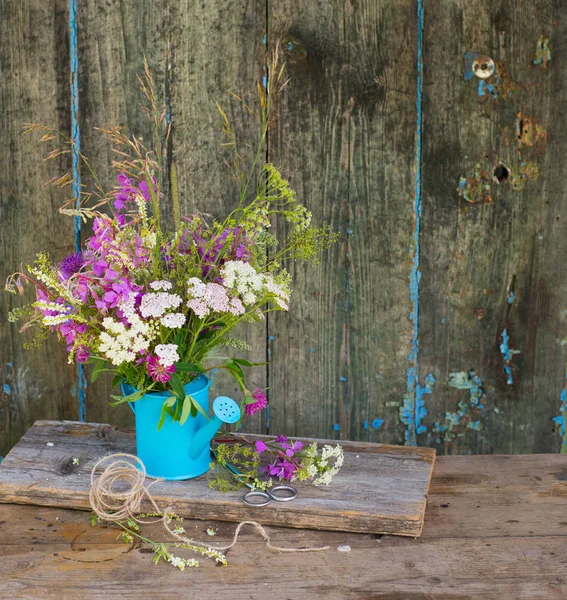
[(117, 493)]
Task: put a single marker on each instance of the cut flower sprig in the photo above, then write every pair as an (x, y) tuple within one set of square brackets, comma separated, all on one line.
[(258, 462), (152, 305)]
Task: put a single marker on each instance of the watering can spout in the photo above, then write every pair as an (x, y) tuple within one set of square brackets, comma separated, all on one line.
[(225, 410)]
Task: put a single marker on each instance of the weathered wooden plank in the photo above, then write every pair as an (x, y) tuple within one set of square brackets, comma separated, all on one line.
[(378, 490), (345, 137), (493, 254), (34, 87), (114, 38), (215, 47), (56, 553)]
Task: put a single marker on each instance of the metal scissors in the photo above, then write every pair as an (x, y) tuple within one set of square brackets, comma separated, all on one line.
[(279, 493)]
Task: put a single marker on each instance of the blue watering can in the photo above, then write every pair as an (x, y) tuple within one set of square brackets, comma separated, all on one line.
[(178, 451)]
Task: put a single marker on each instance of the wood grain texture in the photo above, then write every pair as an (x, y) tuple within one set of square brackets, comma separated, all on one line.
[(494, 266), (34, 87), (380, 489), (345, 136), (216, 47), (475, 544), (114, 38)]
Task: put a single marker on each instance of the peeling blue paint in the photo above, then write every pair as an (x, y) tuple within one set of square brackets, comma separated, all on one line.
[(311, 350), (442, 321), (265, 39), (485, 88), (75, 154), (507, 354), (341, 378), (511, 297), (413, 410), (561, 419), (377, 423), (271, 338), (336, 427), (365, 425), (7, 389), (350, 232), (409, 412), (469, 58), (10, 365), (461, 381)]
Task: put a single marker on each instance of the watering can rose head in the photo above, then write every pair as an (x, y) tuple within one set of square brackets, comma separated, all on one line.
[(154, 305)]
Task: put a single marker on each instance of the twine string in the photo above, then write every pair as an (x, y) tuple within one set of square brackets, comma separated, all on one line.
[(117, 494)]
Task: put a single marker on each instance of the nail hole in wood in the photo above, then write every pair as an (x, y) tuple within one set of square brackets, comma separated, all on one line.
[(501, 173)]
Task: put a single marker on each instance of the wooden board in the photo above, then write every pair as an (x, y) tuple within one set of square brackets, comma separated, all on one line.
[(494, 265), (380, 489), (216, 47), (114, 37), (34, 88), (495, 529), (345, 137)]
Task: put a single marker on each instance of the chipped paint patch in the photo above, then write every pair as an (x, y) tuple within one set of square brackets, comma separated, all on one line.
[(477, 188), (529, 132), (561, 420), (409, 411), (336, 427), (497, 86), (543, 52), (413, 408), (456, 423), (526, 171), (377, 423), (510, 298), (507, 354), (7, 389)]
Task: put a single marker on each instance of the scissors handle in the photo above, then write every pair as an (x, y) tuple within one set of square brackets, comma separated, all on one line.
[(279, 493), (249, 498), (282, 493)]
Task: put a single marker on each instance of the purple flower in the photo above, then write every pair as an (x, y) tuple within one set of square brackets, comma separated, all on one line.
[(260, 404), (71, 264), (291, 449), (70, 330), (260, 446), (281, 439), (82, 354), (157, 371), (283, 469)]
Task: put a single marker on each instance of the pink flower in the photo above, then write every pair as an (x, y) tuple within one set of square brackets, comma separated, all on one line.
[(157, 371), (260, 446), (260, 404), (82, 354)]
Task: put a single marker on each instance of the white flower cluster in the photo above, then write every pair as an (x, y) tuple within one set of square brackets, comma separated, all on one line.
[(167, 354), (173, 320), (244, 279), (326, 472), (163, 286), (181, 563), (120, 344), (155, 304), (251, 285), (207, 297)]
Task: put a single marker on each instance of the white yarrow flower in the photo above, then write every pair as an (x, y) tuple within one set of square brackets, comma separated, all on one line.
[(167, 354), (173, 320)]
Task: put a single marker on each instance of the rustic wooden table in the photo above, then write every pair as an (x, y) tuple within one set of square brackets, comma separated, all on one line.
[(495, 527)]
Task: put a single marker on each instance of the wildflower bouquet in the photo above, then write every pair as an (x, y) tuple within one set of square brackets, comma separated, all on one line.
[(154, 304)]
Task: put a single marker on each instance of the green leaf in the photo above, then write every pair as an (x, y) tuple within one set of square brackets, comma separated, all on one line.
[(247, 363), (99, 367), (187, 409), (96, 374), (118, 378), (236, 371), (177, 386), (166, 408), (131, 398), (183, 367), (248, 399), (197, 407)]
